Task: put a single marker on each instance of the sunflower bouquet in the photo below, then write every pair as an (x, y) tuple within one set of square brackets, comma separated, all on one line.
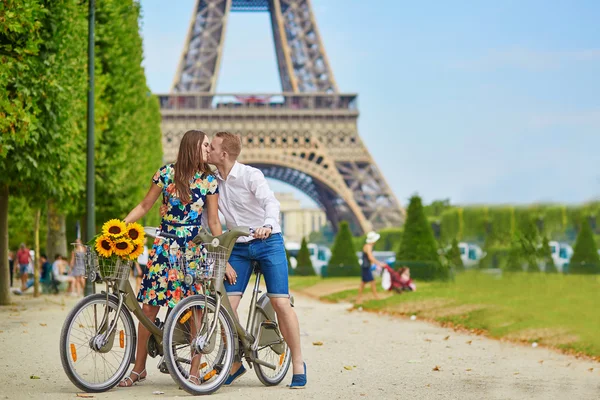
[(120, 240)]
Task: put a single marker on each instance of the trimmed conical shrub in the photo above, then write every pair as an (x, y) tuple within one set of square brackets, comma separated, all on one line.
[(304, 267), (453, 257), (585, 258), (418, 248), (343, 261), (290, 269), (546, 257)]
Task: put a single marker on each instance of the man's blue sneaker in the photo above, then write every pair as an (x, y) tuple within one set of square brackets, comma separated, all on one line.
[(237, 374), (299, 380)]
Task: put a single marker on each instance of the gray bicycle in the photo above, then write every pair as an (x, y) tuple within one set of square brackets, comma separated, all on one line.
[(204, 329), (98, 338)]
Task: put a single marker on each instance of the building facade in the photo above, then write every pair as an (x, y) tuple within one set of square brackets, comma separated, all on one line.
[(298, 221)]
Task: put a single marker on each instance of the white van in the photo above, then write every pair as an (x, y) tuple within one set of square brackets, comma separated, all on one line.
[(319, 255), (561, 254)]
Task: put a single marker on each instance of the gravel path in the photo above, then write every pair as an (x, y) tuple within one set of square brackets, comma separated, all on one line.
[(363, 355)]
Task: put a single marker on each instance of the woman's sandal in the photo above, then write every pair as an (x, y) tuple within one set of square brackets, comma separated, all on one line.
[(138, 380), (197, 379)]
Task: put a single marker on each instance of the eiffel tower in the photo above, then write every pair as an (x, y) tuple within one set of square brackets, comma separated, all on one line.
[(306, 136)]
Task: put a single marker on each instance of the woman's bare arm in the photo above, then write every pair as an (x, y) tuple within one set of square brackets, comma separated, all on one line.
[(212, 208), (145, 205)]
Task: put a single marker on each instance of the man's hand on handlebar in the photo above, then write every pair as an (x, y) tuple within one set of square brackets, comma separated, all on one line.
[(262, 233), (230, 274)]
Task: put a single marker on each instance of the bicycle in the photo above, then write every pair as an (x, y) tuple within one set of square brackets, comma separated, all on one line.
[(216, 328), (103, 329)]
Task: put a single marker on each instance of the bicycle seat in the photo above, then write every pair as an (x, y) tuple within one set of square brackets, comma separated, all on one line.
[(255, 266)]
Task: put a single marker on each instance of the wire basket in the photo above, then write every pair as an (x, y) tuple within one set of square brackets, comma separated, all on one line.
[(113, 269), (202, 267)]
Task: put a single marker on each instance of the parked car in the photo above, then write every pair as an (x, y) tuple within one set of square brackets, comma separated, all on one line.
[(561, 254), (319, 255)]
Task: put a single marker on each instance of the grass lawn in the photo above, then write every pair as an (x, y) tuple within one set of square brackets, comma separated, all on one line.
[(554, 310)]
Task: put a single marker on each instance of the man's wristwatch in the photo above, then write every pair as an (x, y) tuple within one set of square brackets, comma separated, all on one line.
[(268, 226)]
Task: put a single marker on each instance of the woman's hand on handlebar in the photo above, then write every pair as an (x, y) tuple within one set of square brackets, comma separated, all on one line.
[(230, 274)]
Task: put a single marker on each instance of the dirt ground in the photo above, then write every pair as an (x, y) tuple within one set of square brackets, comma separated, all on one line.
[(363, 355)]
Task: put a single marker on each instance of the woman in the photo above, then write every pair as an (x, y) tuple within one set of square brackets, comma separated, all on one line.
[(367, 261), (188, 187), (78, 268)]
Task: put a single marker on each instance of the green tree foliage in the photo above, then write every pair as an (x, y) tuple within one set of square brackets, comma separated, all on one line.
[(453, 257), (304, 267), (40, 66), (129, 146), (389, 240), (324, 237), (289, 264), (418, 244), (546, 257), (585, 258), (43, 58), (343, 261)]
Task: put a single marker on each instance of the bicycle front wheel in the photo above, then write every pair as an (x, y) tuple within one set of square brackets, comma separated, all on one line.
[(188, 336), (94, 358)]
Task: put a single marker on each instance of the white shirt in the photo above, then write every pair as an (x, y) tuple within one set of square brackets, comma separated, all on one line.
[(143, 258), (245, 199)]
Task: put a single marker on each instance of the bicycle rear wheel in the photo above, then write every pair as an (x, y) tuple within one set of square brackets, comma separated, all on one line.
[(186, 337), (272, 347), (93, 361)]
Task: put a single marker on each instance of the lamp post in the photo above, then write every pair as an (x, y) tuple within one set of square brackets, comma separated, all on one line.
[(90, 184)]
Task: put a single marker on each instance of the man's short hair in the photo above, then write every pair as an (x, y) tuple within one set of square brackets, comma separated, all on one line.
[(232, 144)]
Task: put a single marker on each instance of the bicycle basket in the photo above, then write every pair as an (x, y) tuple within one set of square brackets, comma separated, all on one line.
[(111, 269), (215, 262), (206, 266)]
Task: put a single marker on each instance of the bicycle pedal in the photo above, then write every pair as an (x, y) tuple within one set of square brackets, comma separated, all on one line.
[(162, 366), (269, 324)]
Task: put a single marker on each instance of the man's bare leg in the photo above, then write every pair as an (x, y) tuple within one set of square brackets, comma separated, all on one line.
[(235, 302), (290, 328)]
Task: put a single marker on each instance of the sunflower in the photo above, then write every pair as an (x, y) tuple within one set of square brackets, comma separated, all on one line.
[(114, 227), (135, 232), (138, 249), (123, 247), (104, 246)]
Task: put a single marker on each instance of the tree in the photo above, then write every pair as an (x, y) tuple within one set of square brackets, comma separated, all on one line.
[(343, 261), (453, 256), (546, 257), (289, 264), (419, 245), (42, 59), (304, 267), (585, 259)]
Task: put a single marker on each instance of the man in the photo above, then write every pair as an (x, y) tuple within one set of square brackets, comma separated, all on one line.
[(246, 200), (24, 258), (11, 266)]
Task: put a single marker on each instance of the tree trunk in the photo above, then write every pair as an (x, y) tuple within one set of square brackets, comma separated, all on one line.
[(4, 273), (56, 241), (36, 249)]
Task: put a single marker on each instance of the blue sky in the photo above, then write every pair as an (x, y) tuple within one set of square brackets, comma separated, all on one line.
[(478, 101)]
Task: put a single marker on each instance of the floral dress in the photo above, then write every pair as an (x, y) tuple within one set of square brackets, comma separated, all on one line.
[(162, 283)]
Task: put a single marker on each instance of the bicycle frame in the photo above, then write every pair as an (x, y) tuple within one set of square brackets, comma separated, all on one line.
[(250, 336)]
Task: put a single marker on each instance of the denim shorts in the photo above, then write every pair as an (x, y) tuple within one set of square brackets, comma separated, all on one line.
[(270, 253), (23, 268)]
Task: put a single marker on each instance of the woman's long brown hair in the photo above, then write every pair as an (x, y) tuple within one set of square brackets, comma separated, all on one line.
[(189, 161)]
